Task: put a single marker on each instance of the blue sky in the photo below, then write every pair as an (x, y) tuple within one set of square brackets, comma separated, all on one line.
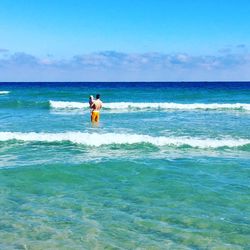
[(124, 40)]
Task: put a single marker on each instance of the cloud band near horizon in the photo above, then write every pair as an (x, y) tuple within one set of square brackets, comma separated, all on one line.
[(226, 65)]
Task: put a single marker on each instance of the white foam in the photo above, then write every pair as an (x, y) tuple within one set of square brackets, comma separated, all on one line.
[(152, 105), (68, 105), (4, 92), (95, 139)]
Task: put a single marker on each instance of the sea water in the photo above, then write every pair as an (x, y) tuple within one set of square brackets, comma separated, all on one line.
[(167, 167)]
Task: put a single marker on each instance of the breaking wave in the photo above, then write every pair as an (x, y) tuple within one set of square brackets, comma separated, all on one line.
[(4, 92), (96, 139), (153, 106), (68, 105)]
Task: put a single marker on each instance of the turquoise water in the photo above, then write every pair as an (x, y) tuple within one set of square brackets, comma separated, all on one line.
[(168, 166)]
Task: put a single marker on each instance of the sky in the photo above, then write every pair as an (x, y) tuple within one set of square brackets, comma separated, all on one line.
[(124, 40)]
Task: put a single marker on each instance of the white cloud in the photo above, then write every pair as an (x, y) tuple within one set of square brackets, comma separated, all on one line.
[(228, 64)]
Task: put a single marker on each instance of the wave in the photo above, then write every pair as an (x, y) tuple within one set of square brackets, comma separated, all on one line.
[(68, 105), (4, 92), (154, 106), (123, 106), (96, 139)]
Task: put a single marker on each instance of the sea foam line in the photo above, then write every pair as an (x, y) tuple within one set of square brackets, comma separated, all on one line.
[(4, 92), (152, 105), (95, 139)]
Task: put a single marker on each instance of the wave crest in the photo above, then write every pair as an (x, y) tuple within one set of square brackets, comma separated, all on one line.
[(4, 92), (68, 105), (95, 139), (154, 106)]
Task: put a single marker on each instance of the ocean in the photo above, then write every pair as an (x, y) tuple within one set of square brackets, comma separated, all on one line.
[(167, 167)]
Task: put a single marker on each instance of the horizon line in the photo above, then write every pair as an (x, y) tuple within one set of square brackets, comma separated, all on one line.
[(204, 81)]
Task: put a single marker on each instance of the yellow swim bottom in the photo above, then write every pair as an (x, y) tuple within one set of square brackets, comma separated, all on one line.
[(95, 116)]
